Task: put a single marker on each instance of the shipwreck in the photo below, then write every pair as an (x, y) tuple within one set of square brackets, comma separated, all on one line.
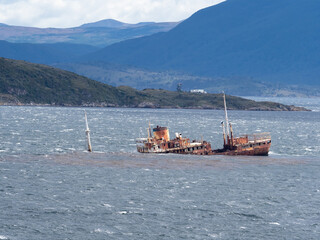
[(158, 141)]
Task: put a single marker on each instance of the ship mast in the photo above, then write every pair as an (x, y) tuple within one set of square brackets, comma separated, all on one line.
[(87, 132), (149, 133), (224, 134), (226, 114)]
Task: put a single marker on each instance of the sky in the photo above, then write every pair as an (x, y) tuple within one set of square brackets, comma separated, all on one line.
[(72, 13)]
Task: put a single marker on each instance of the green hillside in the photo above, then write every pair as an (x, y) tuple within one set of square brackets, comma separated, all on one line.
[(34, 83), (27, 83)]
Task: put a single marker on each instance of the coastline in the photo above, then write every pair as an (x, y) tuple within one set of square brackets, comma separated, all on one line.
[(280, 108)]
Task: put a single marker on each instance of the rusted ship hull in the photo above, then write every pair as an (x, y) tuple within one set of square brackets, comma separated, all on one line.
[(198, 149), (259, 150), (255, 151)]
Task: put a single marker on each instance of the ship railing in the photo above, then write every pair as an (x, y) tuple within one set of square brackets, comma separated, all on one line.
[(141, 140), (258, 137)]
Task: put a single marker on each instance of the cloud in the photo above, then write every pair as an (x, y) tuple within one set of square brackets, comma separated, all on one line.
[(70, 13)]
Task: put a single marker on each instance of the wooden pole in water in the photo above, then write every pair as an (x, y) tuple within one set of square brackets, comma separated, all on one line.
[(87, 132)]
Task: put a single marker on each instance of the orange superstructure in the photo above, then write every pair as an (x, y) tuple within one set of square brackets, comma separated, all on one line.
[(161, 133)]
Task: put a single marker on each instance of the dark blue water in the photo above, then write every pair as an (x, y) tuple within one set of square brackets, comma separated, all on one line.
[(50, 188)]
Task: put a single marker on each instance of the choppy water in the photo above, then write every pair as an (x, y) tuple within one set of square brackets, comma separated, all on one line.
[(50, 188)]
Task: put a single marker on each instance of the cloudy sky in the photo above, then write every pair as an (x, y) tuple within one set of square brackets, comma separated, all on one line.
[(71, 13)]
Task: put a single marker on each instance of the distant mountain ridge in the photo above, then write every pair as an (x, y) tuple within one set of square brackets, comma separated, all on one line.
[(44, 53), (275, 41), (107, 23), (111, 23), (99, 34)]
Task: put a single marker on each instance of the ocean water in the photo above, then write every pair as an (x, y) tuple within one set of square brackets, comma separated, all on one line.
[(51, 188)]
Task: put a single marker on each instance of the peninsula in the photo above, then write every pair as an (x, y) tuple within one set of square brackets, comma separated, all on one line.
[(24, 83)]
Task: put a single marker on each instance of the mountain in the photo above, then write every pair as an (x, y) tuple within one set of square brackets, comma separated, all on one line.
[(27, 83), (106, 23), (99, 34), (273, 41), (111, 23), (44, 53)]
